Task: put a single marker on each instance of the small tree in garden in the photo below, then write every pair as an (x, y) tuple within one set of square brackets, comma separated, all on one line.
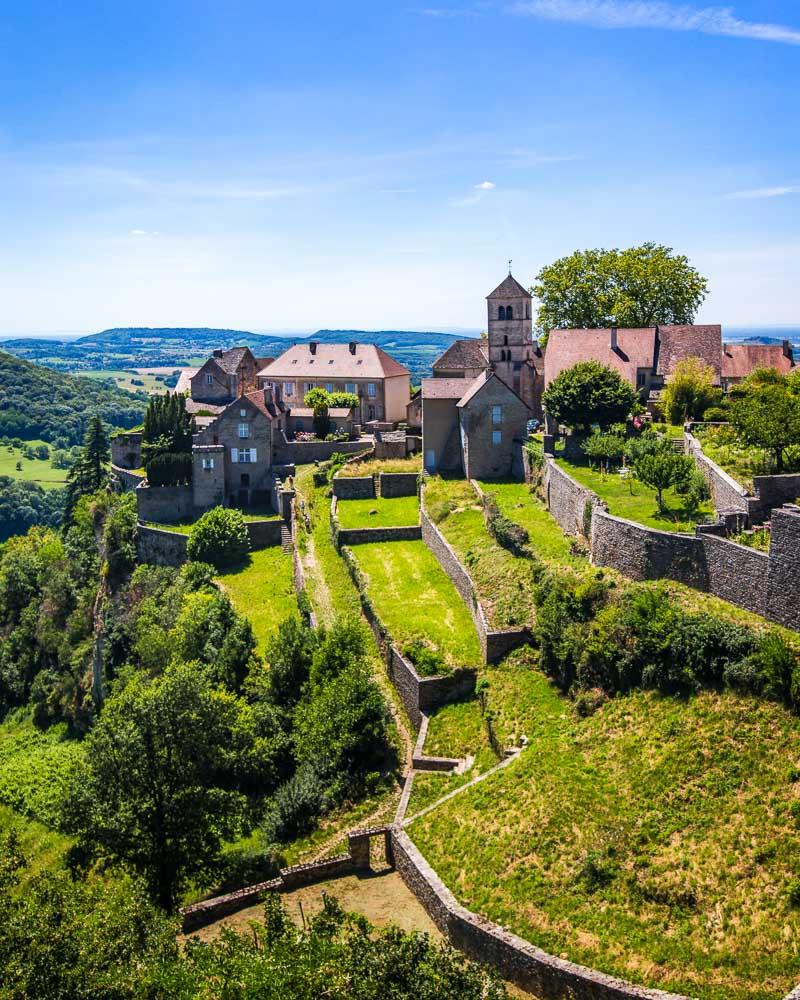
[(319, 401), (219, 537), (768, 417), (665, 468), (608, 448), (690, 390), (589, 393)]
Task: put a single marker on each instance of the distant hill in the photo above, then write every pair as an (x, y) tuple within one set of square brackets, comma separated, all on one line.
[(37, 402)]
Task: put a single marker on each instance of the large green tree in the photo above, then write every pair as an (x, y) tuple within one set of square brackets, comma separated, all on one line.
[(160, 788), (690, 390), (90, 470), (639, 286), (768, 416), (587, 394)]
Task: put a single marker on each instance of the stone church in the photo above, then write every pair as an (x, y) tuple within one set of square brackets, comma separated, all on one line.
[(483, 392)]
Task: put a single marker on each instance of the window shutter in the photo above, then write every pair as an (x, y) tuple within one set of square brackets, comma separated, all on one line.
[(253, 455), (234, 454)]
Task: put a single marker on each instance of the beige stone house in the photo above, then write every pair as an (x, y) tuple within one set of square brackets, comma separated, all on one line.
[(225, 376), (477, 405), (383, 385)]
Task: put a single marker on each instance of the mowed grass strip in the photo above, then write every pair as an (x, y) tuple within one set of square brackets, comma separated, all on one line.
[(655, 840), (263, 590), (379, 512), (634, 501), (414, 597)]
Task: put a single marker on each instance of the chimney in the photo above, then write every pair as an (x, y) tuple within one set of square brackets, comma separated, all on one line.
[(352, 345), (218, 352), (614, 339), (312, 346), (269, 395)]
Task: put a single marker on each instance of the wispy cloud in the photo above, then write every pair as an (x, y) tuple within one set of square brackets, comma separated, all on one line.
[(656, 14), (534, 158), (479, 192), (767, 192), (448, 13), (485, 186)]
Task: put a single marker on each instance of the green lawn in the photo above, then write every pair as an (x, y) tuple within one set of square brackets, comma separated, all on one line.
[(263, 590), (43, 848), (655, 840), (415, 598), (369, 468), (634, 501), (39, 471), (123, 379), (379, 512), (184, 526)]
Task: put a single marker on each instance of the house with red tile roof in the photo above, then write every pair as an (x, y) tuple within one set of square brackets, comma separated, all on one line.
[(739, 360)]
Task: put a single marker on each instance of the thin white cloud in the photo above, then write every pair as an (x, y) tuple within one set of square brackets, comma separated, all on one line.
[(485, 186), (534, 158), (657, 14), (449, 13), (479, 192), (767, 192)]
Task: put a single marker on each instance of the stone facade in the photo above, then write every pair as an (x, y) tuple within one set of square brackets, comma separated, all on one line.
[(491, 420), (353, 487), (160, 547), (399, 484), (126, 450), (518, 961)]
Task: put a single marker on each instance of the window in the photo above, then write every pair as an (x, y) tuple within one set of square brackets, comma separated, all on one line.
[(641, 379), (329, 387), (309, 386), (209, 379), (505, 340), (501, 312), (510, 313), (350, 387), (242, 413), (243, 454), (497, 437), (497, 414), (371, 412), (371, 390), (244, 430), (208, 464), (288, 388)]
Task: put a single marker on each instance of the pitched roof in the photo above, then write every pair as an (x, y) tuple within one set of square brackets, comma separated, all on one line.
[(194, 406), (689, 341), (184, 379), (480, 383), (230, 360), (739, 360), (334, 361), (565, 348), (444, 388), (473, 353), (257, 399), (509, 288)]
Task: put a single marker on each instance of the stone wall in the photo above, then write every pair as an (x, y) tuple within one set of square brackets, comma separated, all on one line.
[(518, 961), (736, 573), (774, 491), (126, 479), (363, 536), (783, 575), (164, 503), (160, 547), (399, 484), (353, 487), (567, 500), (264, 533), (727, 494), (126, 450), (303, 452)]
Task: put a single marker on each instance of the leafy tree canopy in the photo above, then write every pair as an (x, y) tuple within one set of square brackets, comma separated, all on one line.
[(589, 393), (690, 391), (640, 286), (219, 537), (768, 416)]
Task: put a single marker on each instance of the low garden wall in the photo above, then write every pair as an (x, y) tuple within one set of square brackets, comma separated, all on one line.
[(363, 536), (546, 976), (727, 494), (353, 487), (399, 484), (303, 452), (774, 491), (494, 643), (420, 695), (127, 479), (160, 547), (164, 503), (264, 533)]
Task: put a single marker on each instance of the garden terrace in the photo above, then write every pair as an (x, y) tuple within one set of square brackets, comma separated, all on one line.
[(414, 599), (263, 590), (628, 498), (371, 467), (741, 461), (378, 512), (184, 525), (655, 840)]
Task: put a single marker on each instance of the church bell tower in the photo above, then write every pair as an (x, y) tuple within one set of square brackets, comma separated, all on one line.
[(510, 337)]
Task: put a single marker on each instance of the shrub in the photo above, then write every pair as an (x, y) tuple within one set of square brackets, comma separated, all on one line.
[(427, 660), (589, 393), (715, 413), (295, 807), (219, 537), (508, 533), (608, 448), (170, 469)]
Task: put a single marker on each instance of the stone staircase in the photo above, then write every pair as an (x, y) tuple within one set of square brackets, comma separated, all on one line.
[(286, 538)]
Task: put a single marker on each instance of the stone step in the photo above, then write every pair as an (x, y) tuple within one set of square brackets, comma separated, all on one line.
[(286, 538)]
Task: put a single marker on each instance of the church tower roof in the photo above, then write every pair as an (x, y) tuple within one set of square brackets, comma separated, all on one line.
[(509, 288)]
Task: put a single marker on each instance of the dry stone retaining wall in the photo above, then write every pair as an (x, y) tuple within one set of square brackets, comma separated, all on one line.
[(727, 494), (127, 479), (567, 500), (160, 547), (399, 484), (303, 452), (353, 487), (164, 503)]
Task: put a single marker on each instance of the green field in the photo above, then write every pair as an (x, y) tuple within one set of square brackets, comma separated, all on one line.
[(414, 598), (34, 470), (634, 501), (655, 840), (263, 590), (123, 379), (379, 512)]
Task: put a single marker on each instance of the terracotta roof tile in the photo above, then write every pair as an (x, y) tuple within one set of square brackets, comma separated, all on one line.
[(463, 354), (739, 360), (689, 341), (334, 361), (565, 348), (445, 388)]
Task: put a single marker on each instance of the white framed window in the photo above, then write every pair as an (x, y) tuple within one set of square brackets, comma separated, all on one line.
[(244, 430), (329, 387), (371, 389), (497, 437), (242, 413), (209, 379), (497, 414), (208, 464), (288, 388), (309, 386), (350, 387), (243, 455)]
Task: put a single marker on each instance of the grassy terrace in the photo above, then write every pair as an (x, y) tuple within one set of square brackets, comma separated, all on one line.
[(368, 468), (634, 501), (655, 840), (380, 512), (414, 597), (184, 526), (740, 460), (263, 590)]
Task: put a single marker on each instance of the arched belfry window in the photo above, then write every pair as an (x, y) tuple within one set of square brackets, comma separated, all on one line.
[(501, 312), (509, 313), (527, 312)]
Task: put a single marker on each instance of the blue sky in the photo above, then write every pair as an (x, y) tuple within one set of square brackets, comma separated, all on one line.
[(289, 166)]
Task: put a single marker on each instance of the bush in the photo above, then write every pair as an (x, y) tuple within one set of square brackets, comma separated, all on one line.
[(587, 394), (170, 469), (295, 807), (508, 533), (715, 413), (219, 537), (428, 661)]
